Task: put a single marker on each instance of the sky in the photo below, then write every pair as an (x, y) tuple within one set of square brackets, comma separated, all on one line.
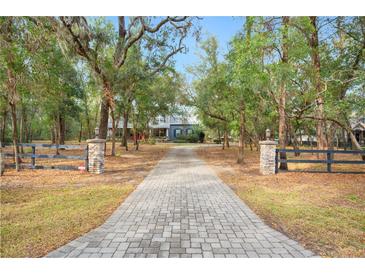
[(222, 27)]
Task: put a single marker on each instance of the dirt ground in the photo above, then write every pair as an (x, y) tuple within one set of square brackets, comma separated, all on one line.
[(127, 166), (325, 212), (44, 209)]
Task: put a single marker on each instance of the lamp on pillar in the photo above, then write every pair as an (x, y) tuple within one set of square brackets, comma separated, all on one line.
[(96, 133), (268, 134)]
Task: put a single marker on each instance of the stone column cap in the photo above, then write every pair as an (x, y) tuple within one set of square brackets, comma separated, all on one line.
[(268, 142), (96, 141)]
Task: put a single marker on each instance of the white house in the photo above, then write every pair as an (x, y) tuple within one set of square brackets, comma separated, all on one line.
[(168, 127)]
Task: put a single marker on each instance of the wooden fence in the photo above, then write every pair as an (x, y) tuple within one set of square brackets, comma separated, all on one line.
[(329, 161), (33, 156)]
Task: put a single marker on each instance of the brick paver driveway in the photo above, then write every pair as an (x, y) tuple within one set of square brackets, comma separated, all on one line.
[(182, 209)]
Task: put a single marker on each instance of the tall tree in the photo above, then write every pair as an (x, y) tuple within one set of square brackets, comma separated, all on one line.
[(318, 85), (283, 94), (12, 54), (165, 36)]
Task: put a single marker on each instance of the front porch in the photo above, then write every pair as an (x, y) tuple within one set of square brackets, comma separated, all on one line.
[(160, 133)]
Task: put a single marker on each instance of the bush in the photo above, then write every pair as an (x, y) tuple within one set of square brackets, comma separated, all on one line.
[(201, 136), (180, 141), (190, 138), (150, 141)]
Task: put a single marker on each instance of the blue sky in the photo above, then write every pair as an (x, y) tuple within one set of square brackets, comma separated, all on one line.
[(222, 27)]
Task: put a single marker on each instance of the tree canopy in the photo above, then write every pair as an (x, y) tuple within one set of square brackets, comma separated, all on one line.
[(60, 77)]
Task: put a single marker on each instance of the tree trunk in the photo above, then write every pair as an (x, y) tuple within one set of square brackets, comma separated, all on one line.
[(321, 123), (354, 142), (88, 125), (21, 131), (344, 139), (113, 133), (309, 137), (15, 136), (13, 96), (95, 119), (80, 133), (282, 99), (104, 114), (223, 143), (61, 129), (30, 134), (26, 128), (3, 126), (87, 118), (241, 108), (241, 140), (56, 133), (226, 141), (295, 143), (135, 138), (53, 136), (125, 130), (331, 136)]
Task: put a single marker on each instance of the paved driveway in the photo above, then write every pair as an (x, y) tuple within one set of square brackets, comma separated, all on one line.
[(182, 209)]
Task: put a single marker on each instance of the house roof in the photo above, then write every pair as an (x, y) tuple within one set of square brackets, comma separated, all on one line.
[(359, 126)]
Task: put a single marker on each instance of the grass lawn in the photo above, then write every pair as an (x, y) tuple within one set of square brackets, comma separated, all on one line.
[(324, 212), (44, 209)]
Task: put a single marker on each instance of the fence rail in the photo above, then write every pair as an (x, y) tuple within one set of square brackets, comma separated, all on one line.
[(33, 156), (329, 159), (48, 146)]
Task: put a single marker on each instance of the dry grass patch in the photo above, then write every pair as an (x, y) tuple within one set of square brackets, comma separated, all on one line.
[(325, 212), (44, 209)]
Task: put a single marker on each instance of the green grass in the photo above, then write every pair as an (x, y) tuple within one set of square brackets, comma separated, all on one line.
[(33, 221), (324, 226)]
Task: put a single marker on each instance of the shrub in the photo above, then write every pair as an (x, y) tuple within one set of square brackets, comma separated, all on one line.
[(190, 138), (151, 141)]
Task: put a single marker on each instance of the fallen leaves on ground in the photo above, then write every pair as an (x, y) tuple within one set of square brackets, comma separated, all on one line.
[(325, 212), (44, 209)]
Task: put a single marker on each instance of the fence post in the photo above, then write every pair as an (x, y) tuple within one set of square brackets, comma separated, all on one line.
[(87, 158), (33, 157), (329, 159), (276, 161)]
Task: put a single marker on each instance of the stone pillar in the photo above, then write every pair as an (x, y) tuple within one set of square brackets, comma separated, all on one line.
[(96, 155), (267, 157)]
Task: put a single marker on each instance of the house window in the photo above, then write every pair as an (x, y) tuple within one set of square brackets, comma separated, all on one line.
[(177, 132), (189, 131)]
